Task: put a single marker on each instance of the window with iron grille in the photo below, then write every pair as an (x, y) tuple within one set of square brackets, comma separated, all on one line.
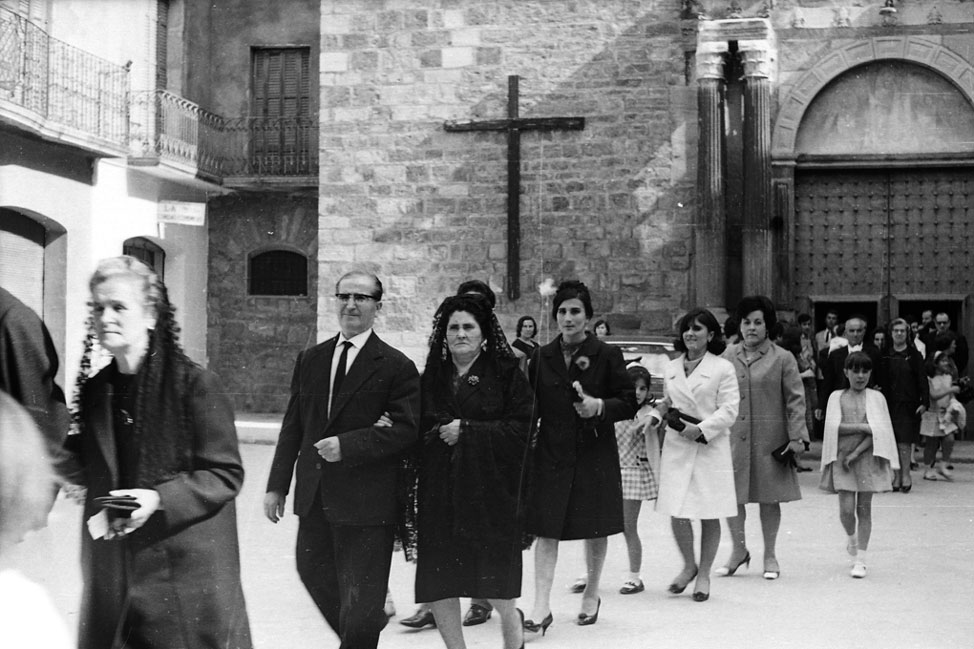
[(280, 111), (147, 252), (278, 272)]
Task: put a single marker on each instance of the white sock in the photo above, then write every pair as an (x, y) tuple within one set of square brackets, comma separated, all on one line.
[(853, 544), (861, 557), (635, 577)]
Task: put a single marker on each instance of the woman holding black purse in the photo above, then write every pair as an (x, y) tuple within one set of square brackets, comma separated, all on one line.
[(696, 478), (770, 433)]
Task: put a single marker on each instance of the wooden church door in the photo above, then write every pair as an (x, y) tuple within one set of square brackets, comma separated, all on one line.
[(889, 237)]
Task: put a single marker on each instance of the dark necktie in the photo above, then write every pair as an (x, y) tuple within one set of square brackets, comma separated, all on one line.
[(340, 371)]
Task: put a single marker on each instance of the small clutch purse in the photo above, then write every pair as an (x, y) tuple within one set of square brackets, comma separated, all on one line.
[(117, 503), (785, 455)]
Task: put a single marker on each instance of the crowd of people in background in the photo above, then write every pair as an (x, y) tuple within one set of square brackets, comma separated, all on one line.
[(494, 448)]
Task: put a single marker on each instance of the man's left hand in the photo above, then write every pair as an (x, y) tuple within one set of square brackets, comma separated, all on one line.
[(330, 449)]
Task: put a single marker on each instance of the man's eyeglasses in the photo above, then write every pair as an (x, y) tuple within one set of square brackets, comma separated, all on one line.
[(358, 298)]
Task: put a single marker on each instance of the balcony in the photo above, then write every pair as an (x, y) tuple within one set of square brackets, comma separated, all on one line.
[(239, 152), (59, 92)]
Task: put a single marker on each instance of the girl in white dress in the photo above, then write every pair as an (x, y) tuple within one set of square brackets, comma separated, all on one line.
[(858, 455)]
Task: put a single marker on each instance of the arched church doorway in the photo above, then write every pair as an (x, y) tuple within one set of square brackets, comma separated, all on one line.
[(884, 194)]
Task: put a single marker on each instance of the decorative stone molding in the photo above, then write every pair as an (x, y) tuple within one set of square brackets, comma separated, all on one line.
[(710, 60), (907, 48), (758, 59)]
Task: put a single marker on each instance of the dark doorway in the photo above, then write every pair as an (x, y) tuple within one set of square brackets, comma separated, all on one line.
[(846, 310)]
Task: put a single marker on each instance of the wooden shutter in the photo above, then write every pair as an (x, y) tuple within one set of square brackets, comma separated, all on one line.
[(162, 44)]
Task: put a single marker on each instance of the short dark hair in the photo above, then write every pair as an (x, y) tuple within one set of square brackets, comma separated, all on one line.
[(520, 325), (361, 273), (572, 289), (715, 346), (608, 329), (858, 361), (762, 304), (791, 339), (803, 318), (480, 288)]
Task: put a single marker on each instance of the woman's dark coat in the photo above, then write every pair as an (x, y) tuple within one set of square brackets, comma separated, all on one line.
[(576, 488), (178, 576), (470, 494)]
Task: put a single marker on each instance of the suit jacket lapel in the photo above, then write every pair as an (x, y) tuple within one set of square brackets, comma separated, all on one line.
[(551, 354), (365, 364)]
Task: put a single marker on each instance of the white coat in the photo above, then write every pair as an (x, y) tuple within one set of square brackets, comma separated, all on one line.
[(697, 480)]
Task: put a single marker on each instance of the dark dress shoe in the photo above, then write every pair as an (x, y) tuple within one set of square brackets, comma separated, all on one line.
[(419, 619), (477, 614)]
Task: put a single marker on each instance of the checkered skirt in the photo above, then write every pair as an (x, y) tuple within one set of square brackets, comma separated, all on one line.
[(638, 480)]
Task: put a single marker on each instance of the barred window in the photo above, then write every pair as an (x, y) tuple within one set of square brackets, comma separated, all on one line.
[(278, 272), (147, 252)]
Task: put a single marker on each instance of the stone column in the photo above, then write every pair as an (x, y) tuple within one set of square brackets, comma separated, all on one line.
[(709, 232), (757, 57)]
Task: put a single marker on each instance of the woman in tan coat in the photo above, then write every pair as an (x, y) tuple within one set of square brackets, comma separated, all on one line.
[(771, 416)]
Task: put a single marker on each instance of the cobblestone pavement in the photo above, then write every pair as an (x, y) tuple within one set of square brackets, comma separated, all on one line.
[(919, 591)]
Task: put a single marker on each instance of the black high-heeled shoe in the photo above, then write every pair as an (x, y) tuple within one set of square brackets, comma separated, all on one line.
[(728, 570), (533, 627), (676, 588), (419, 619), (584, 619)]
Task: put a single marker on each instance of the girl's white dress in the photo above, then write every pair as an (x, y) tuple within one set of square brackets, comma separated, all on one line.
[(873, 470), (946, 414), (638, 441)]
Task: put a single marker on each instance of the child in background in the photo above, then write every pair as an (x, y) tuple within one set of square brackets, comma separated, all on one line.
[(945, 417), (858, 455), (639, 452)]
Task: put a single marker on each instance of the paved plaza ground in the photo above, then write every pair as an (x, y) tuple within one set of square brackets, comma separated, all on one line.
[(919, 592)]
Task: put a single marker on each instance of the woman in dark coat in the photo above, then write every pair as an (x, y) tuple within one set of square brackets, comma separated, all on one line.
[(582, 389), (902, 378), (159, 429), (477, 413)]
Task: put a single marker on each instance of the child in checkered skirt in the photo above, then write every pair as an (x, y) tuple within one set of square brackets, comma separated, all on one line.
[(639, 452)]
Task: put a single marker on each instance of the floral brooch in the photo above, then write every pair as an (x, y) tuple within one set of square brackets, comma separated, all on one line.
[(473, 379), (583, 363)]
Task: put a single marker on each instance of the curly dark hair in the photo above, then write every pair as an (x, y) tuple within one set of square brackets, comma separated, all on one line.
[(572, 289), (706, 318), (162, 427), (608, 329)]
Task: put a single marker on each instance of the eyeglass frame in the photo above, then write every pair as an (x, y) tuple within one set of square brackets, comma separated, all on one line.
[(358, 298)]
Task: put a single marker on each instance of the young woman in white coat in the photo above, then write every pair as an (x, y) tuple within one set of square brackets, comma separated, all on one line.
[(696, 472)]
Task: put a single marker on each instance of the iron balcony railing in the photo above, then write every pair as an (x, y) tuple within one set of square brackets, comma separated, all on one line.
[(52, 86), (177, 130)]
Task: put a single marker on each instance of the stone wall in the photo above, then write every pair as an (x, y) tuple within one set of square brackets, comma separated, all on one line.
[(611, 205), (253, 341)]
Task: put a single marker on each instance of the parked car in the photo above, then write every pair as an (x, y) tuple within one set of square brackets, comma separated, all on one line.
[(652, 352)]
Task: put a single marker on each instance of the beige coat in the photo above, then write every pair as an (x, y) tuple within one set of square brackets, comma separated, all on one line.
[(697, 480), (772, 412)]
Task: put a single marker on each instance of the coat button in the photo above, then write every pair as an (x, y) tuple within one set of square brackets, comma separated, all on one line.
[(318, 465)]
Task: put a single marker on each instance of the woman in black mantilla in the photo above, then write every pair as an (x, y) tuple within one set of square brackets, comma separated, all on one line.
[(157, 428), (477, 414), (582, 389)]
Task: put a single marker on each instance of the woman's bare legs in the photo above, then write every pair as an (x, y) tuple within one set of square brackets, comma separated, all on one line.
[(735, 525), (545, 560), (770, 522), (709, 540), (511, 627), (446, 612), (683, 534), (595, 550)]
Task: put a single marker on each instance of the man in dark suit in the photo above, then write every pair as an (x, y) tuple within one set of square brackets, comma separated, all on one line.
[(833, 376), (346, 427)]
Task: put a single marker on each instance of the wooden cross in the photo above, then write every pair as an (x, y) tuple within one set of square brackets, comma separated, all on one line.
[(513, 126)]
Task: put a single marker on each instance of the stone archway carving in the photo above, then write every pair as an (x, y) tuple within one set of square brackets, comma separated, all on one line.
[(908, 48)]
